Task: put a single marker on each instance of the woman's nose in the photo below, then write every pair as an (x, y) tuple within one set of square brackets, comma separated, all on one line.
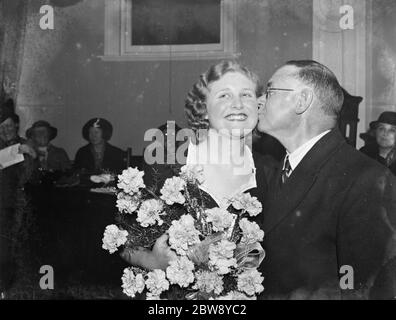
[(237, 103), (261, 102)]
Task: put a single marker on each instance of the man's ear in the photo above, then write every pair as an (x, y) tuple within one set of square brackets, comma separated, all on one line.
[(305, 100)]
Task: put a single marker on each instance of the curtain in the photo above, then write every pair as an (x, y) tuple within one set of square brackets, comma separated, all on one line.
[(13, 17)]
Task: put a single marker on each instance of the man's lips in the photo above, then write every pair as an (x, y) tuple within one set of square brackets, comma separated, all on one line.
[(237, 117)]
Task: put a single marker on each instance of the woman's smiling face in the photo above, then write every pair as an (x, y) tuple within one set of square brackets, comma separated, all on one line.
[(386, 135), (232, 104), (8, 130)]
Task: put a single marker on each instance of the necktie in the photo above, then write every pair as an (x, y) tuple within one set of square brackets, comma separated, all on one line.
[(286, 171)]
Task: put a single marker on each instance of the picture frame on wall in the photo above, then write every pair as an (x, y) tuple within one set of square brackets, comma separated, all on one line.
[(170, 29)]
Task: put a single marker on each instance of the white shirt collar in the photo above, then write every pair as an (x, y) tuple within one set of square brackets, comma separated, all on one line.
[(201, 154), (297, 155)]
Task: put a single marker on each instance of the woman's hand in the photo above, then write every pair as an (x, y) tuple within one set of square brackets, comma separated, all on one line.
[(158, 258), (162, 253)]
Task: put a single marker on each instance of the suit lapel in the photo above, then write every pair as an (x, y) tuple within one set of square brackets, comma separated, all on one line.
[(284, 199)]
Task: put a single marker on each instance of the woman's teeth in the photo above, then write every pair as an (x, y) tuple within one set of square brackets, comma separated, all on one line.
[(237, 117)]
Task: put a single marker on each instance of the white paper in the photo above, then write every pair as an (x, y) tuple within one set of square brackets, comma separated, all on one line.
[(10, 156)]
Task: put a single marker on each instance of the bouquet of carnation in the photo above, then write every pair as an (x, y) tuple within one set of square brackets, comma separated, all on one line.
[(217, 250)]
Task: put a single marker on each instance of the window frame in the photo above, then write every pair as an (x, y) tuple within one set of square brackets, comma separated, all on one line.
[(117, 46)]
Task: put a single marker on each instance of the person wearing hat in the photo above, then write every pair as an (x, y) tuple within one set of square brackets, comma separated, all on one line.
[(9, 127), (51, 158), (99, 155), (14, 221), (384, 148)]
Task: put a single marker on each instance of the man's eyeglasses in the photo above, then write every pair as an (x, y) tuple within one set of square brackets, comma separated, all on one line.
[(270, 90)]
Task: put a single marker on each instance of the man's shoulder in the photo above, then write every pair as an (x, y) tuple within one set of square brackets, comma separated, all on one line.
[(351, 164), (355, 158)]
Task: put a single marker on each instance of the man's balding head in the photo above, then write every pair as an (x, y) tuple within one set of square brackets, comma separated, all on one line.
[(324, 83)]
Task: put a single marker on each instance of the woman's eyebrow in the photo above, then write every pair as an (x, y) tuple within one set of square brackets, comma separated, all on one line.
[(222, 89)]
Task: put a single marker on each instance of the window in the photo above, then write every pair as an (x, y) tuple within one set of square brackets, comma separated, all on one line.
[(169, 29)]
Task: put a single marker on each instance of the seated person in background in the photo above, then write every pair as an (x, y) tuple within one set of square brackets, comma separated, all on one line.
[(13, 211), (9, 127), (99, 155), (51, 158), (384, 148)]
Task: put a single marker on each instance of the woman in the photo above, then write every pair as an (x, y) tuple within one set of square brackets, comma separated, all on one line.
[(222, 111), (99, 155), (51, 158), (384, 150)]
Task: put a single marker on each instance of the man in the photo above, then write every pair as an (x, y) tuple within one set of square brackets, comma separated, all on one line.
[(330, 215)]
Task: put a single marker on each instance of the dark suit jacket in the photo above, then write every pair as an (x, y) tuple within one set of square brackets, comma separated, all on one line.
[(113, 159), (337, 208)]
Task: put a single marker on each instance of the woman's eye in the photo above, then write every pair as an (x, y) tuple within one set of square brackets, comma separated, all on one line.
[(248, 94), (224, 95)]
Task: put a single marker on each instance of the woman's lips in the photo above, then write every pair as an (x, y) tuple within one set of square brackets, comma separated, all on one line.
[(237, 117)]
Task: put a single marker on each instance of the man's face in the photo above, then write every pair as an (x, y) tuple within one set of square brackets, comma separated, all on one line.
[(277, 115), (8, 130), (41, 136)]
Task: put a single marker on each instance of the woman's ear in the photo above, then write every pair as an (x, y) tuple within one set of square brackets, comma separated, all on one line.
[(305, 100)]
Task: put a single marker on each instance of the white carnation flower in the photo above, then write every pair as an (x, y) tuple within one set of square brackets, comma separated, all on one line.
[(192, 173), (180, 272), (182, 234), (171, 191), (251, 232), (236, 295), (221, 219), (221, 256), (246, 202), (131, 283), (150, 296), (113, 238), (250, 282), (156, 282), (207, 281), (149, 213), (131, 180), (127, 203)]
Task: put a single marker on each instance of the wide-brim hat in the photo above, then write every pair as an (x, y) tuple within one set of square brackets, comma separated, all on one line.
[(52, 131), (388, 117), (7, 109), (101, 123)]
